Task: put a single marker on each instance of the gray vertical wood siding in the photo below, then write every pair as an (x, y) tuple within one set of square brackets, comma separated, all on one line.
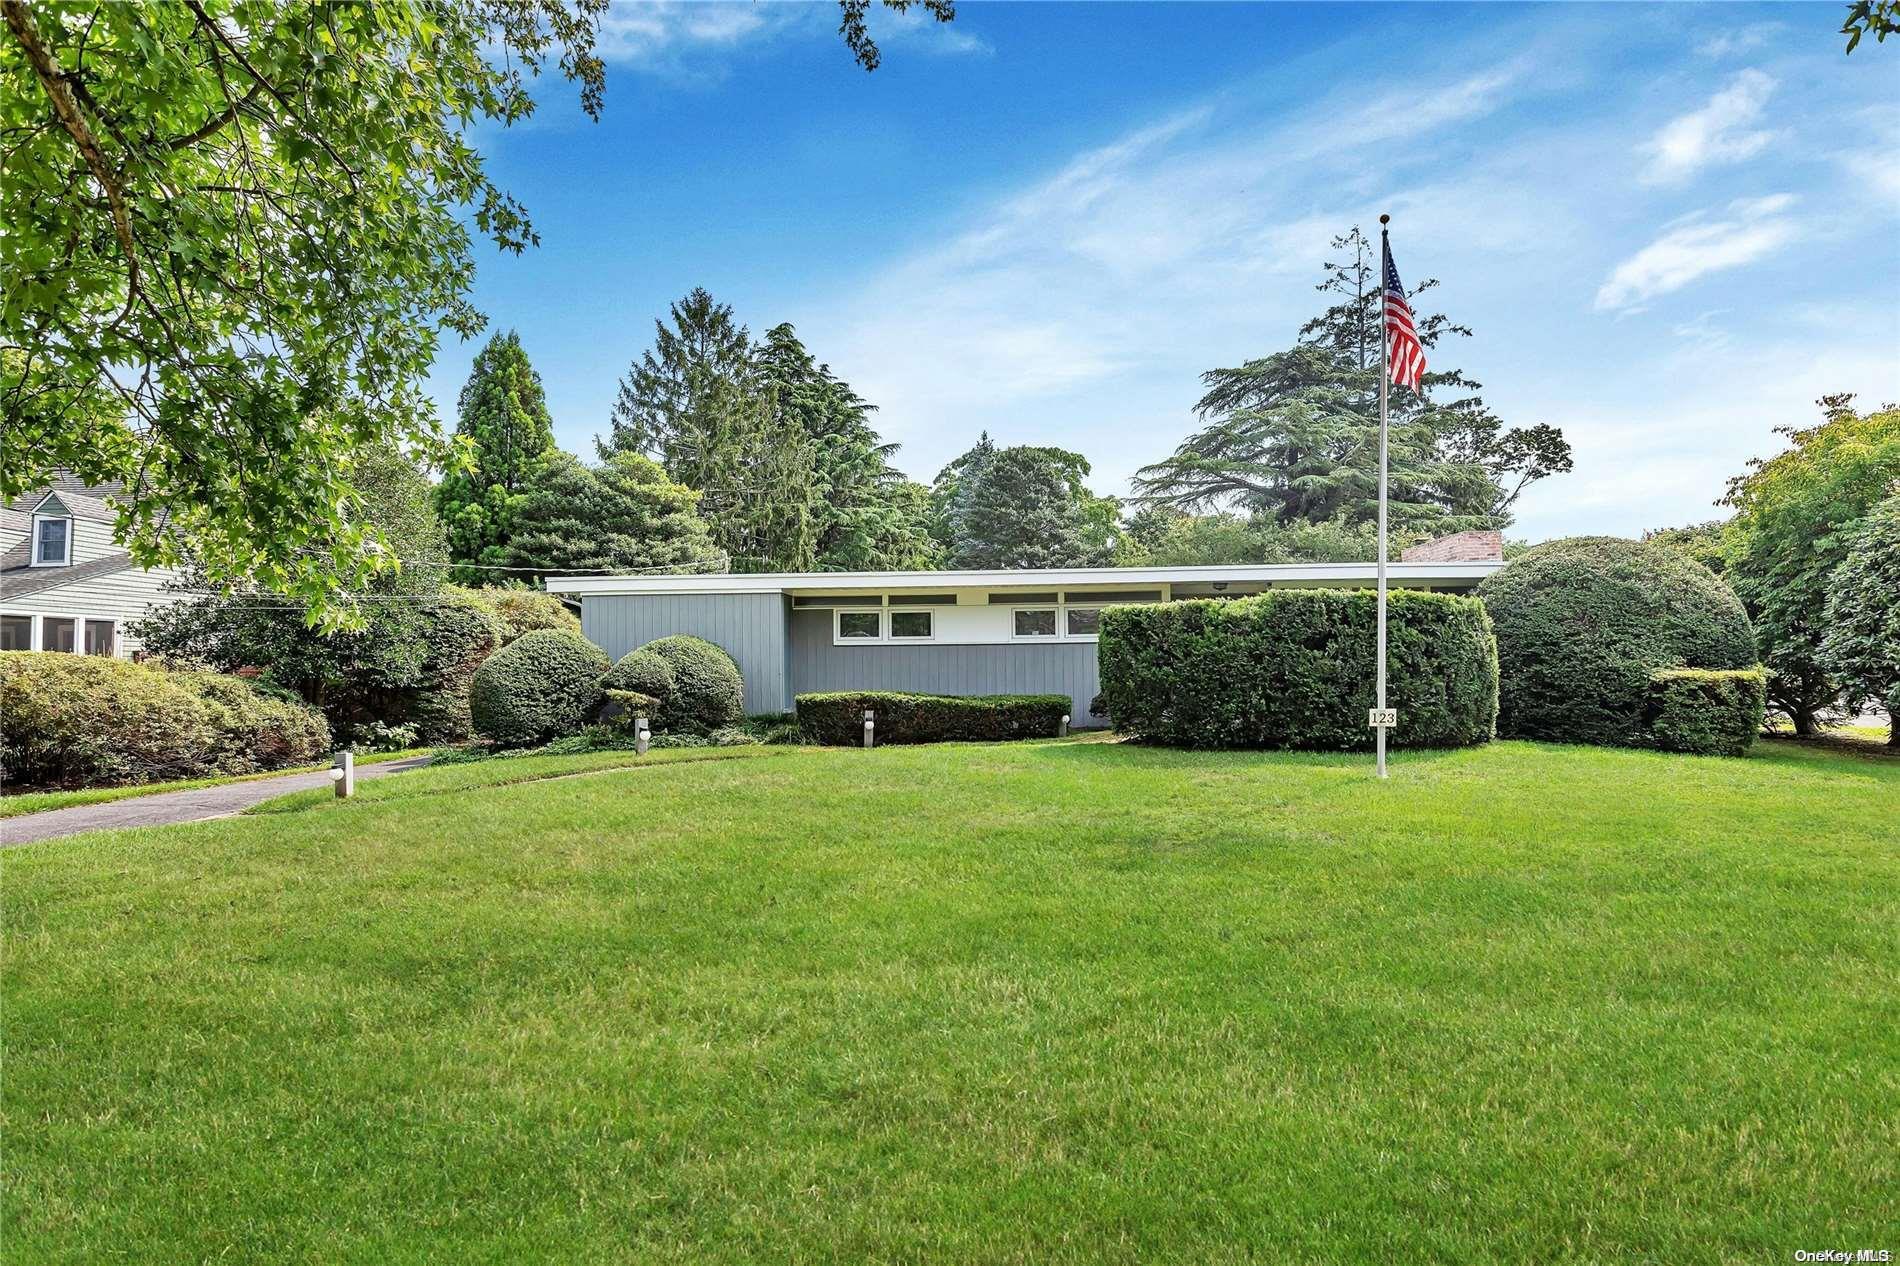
[(1059, 668), (749, 626)]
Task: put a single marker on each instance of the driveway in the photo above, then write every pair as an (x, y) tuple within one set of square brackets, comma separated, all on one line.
[(170, 807)]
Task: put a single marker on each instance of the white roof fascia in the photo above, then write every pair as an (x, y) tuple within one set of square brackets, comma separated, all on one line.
[(1052, 578)]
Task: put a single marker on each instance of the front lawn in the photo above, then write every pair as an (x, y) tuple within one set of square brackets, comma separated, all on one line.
[(1032, 1002)]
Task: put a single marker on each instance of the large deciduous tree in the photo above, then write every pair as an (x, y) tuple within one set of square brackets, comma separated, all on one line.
[(1022, 507), (624, 516), (1796, 515), (1862, 644), (234, 232), (1294, 435), (503, 434)]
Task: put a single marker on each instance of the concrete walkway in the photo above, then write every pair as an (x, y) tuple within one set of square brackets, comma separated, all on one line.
[(168, 807)]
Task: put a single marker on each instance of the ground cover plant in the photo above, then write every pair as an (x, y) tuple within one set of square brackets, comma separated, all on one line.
[(1051, 1001)]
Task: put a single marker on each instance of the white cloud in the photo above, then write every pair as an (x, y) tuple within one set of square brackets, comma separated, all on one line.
[(675, 37), (1717, 133), (1741, 40), (1695, 246), (1875, 156)]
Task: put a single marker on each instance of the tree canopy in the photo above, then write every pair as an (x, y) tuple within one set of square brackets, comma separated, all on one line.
[(1796, 515), (1022, 507), (503, 435), (1294, 435), (1862, 645), (234, 236), (624, 516)]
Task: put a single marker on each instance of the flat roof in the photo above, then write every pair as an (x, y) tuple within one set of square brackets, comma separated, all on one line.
[(818, 583)]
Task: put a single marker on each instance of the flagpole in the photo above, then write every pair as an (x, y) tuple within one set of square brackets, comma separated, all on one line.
[(1385, 345)]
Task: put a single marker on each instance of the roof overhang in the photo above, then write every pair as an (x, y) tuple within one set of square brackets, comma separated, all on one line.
[(833, 582)]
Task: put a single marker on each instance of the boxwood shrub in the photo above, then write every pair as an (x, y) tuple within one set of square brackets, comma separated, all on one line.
[(541, 686), (1711, 712), (708, 691), (1582, 623), (645, 673), (1293, 668), (838, 718), (93, 721)]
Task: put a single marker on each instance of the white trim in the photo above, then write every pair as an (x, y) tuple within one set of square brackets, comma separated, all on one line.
[(885, 637), (890, 626), (894, 582), (1055, 608), (36, 635), (837, 626), (33, 540)]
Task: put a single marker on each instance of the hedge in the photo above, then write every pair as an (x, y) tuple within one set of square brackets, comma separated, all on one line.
[(94, 721), (1711, 712), (708, 691), (541, 686), (519, 611), (644, 673), (907, 718), (1582, 623), (1293, 668), (464, 631)]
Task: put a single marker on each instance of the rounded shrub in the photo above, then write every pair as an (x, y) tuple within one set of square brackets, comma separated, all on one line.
[(643, 672), (708, 690), (1583, 623), (93, 721), (1293, 668), (541, 686)]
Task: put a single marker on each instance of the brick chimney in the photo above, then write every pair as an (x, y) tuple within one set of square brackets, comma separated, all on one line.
[(1459, 547)]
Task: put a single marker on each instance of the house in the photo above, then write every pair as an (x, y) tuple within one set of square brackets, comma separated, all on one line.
[(941, 632), (65, 584)]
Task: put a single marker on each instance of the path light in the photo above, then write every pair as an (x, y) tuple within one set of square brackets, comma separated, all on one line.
[(1062, 731), (641, 737), (870, 724), (344, 775)]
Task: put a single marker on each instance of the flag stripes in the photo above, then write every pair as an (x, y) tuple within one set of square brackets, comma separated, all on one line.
[(1405, 355)]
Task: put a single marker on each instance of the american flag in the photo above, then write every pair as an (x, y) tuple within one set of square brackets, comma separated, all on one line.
[(1404, 353)]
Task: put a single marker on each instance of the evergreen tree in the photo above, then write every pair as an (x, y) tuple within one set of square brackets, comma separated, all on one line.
[(1022, 507), (1862, 645), (1295, 435), (624, 516), (866, 515), (504, 432)]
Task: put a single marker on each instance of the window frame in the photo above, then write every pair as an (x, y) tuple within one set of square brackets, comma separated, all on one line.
[(1053, 635), (1069, 634), (79, 634), (67, 559), (890, 625), (838, 637), (36, 630), (32, 626)]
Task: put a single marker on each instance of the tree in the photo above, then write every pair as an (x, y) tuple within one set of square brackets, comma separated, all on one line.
[(503, 434), (1862, 645), (1160, 536), (624, 516), (234, 237), (1795, 517), (1704, 542), (866, 515), (1878, 18), (697, 403), (1295, 435), (1022, 507), (404, 660)]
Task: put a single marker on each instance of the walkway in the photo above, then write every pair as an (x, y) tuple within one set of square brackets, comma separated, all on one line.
[(169, 807)]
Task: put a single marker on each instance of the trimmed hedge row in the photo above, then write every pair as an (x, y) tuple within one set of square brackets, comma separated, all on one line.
[(1293, 668), (1711, 712), (1583, 623), (838, 718), (93, 721), (707, 689), (541, 686)]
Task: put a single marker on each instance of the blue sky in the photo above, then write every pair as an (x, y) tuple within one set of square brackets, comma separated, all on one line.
[(1671, 227)]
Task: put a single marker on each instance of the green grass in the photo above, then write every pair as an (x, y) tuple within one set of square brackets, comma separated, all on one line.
[(18, 804), (1031, 1002)]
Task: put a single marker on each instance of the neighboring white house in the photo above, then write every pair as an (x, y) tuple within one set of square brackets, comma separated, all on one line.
[(65, 584)]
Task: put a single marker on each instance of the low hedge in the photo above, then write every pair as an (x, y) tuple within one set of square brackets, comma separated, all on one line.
[(1293, 668), (708, 690), (93, 721), (838, 718), (543, 685), (1711, 712)]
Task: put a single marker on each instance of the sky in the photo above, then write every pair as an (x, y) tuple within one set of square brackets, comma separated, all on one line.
[(1670, 228)]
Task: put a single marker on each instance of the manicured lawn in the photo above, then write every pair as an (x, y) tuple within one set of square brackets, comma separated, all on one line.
[(1040, 1002), (13, 806)]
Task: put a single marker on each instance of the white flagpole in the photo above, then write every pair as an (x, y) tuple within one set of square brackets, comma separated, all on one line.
[(1385, 344)]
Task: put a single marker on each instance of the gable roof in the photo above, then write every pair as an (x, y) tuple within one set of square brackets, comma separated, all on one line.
[(17, 580)]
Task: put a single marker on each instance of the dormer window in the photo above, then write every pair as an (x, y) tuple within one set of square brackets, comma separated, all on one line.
[(52, 533)]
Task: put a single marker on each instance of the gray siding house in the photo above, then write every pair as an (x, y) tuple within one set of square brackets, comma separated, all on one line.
[(945, 632), (65, 585)]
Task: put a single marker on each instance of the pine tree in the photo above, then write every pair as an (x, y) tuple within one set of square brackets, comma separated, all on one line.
[(624, 516), (505, 432), (1023, 507), (1294, 435)]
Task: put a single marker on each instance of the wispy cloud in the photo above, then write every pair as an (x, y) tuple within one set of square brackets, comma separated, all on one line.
[(1719, 132), (690, 37), (1695, 246), (1742, 39)]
